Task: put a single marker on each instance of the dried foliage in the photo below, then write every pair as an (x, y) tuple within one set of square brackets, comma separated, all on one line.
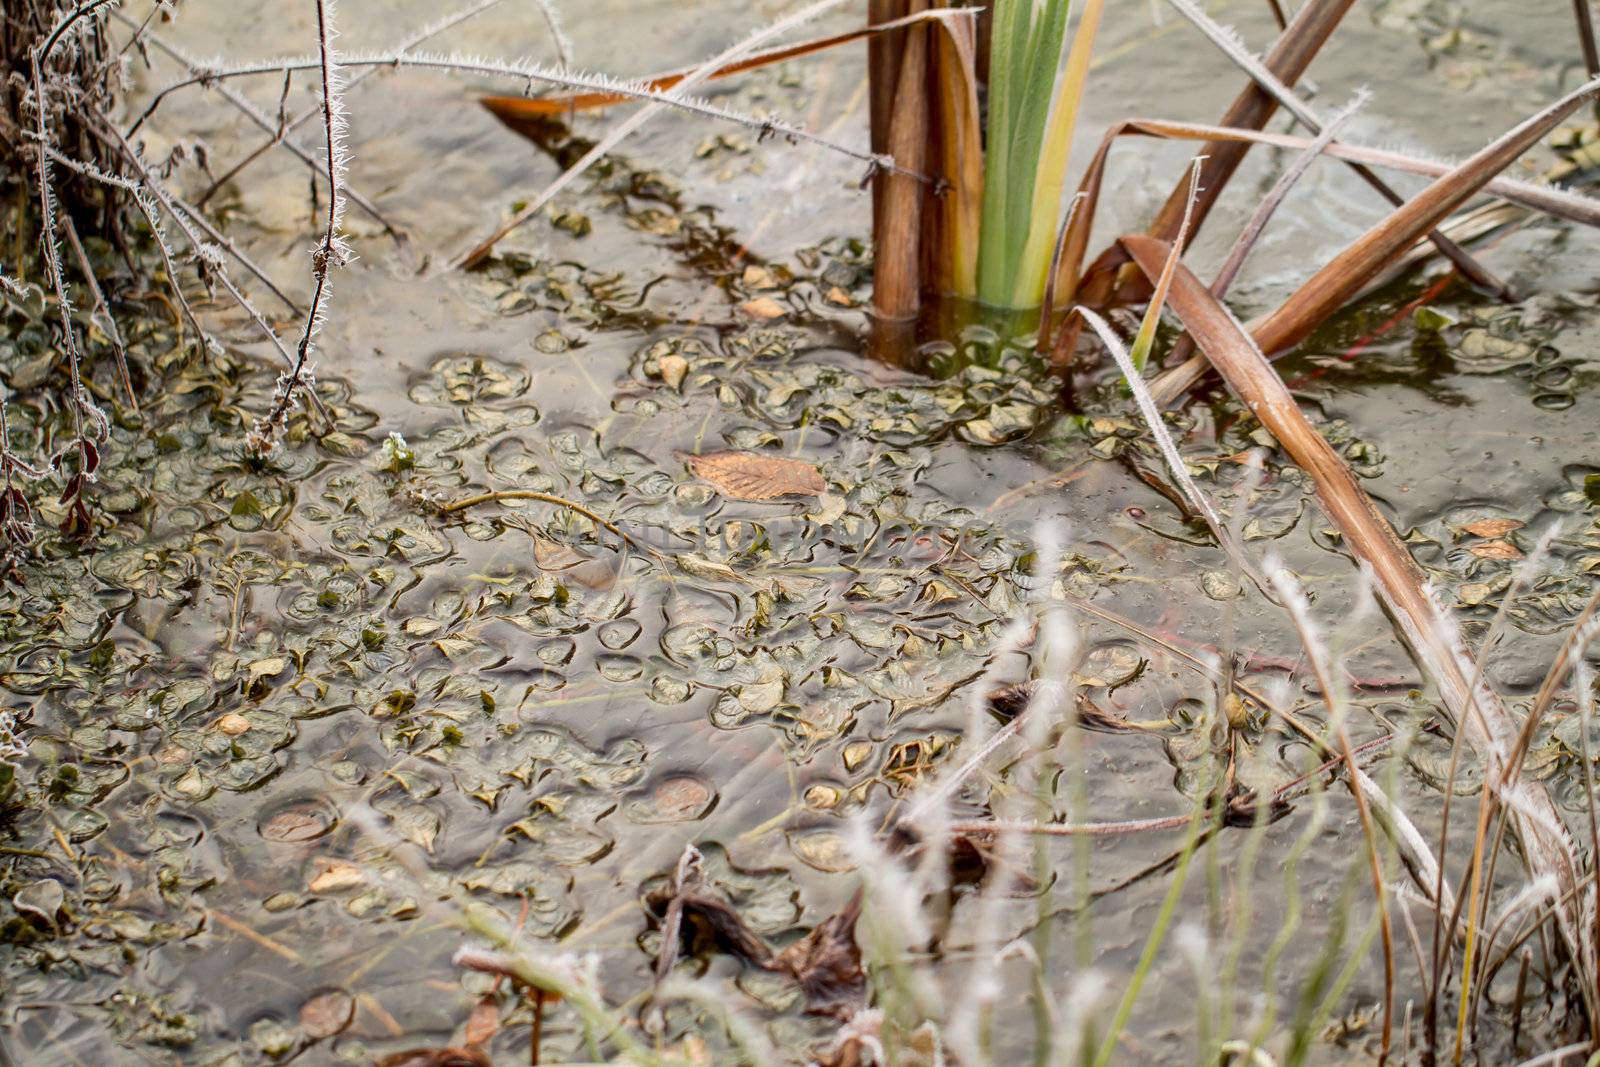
[(754, 476)]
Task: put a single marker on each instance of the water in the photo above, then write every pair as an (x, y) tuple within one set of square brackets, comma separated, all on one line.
[(508, 702)]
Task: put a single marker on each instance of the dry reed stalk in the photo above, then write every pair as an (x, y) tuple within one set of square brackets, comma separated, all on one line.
[(897, 249), (1348, 272), (1227, 42), (1296, 47), (950, 243), (1489, 726)]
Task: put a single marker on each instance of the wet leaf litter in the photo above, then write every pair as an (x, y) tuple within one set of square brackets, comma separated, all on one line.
[(520, 708)]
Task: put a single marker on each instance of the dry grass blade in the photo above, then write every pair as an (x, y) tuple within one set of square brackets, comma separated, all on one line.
[(1296, 47), (1348, 272), (1158, 430), (1316, 652), (1229, 44), (1264, 211), (1490, 728), (545, 107)]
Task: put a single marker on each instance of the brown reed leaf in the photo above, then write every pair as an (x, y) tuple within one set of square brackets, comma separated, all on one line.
[(1475, 708), (950, 245), (1348, 272), (897, 218), (754, 476)]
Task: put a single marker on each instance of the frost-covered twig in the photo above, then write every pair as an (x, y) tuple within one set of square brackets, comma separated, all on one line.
[(330, 253), (200, 74), (648, 112), (202, 250), (432, 29), (530, 71)]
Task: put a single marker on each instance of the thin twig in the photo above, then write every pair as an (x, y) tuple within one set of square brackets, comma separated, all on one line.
[(432, 29), (330, 253), (548, 498), (104, 308)]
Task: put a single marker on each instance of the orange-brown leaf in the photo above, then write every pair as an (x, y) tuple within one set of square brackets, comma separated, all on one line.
[(513, 108), (483, 1023), (1496, 550), (1492, 527), (753, 476)]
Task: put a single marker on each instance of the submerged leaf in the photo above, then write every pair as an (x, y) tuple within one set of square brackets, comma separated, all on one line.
[(753, 476), (1493, 527)]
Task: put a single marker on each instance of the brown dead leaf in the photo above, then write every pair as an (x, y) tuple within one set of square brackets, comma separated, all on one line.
[(233, 724), (334, 876), (301, 823), (753, 476), (327, 1013), (1009, 701), (483, 1023), (436, 1057), (1496, 550), (755, 277), (1492, 527), (764, 307), (827, 965)]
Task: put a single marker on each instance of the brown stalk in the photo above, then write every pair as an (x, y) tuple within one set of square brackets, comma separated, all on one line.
[(1296, 47), (1591, 56), (101, 306), (1348, 272), (950, 238), (1547, 847), (1257, 223), (897, 282)]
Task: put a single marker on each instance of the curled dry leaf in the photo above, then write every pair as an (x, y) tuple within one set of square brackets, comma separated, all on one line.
[(753, 476), (1492, 527), (1009, 701), (334, 876), (1496, 550), (827, 964)]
